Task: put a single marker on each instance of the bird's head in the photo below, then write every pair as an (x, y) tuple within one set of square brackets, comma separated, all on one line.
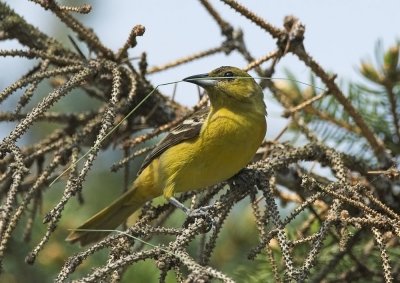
[(229, 86)]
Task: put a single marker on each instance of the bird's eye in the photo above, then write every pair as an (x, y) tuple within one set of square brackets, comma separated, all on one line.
[(228, 74)]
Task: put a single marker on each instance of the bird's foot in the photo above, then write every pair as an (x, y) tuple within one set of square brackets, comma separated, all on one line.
[(201, 212)]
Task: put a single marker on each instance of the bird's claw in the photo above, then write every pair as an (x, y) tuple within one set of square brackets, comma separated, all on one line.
[(202, 212), (199, 212)]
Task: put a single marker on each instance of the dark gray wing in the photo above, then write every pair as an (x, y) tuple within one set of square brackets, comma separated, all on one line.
[(190, 128)]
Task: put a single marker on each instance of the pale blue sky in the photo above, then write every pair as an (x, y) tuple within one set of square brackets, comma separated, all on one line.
[(338, 34)]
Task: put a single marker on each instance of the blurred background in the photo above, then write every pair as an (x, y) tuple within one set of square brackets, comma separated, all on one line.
[(339, 34)]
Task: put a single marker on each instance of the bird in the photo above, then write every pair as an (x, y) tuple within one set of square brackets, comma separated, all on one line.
[(210, 146)]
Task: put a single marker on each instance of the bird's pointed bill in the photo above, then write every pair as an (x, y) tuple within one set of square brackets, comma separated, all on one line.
[(202, 80)]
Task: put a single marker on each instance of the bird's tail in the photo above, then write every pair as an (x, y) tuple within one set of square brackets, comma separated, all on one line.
[(109, 218)]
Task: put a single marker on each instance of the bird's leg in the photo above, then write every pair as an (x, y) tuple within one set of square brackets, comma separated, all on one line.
[(193, 213), (179, 205), (201, 211)]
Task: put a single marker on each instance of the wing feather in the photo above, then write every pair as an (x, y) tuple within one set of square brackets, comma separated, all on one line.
[(188, 129)]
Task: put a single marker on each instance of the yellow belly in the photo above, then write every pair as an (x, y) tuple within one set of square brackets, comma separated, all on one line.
[(224, 147)]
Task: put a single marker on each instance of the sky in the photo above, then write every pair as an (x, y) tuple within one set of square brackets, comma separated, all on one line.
[(339, 34)]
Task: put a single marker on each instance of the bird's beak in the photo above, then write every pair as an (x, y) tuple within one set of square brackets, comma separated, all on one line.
[(202, 80)]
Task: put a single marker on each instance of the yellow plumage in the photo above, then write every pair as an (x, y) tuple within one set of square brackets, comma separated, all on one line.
[(196, 154)]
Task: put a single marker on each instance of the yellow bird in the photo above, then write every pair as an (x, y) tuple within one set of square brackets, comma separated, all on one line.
[(211, 146)]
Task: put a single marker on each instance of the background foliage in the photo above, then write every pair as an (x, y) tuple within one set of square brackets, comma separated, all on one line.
[(321, 208)]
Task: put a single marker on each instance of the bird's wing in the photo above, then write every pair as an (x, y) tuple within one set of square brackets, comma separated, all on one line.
[(188, 129)]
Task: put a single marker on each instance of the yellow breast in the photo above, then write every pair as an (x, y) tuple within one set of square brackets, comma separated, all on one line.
[(226, 144)]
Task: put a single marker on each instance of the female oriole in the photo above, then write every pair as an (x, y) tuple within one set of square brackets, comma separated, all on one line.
[(207, 148)]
